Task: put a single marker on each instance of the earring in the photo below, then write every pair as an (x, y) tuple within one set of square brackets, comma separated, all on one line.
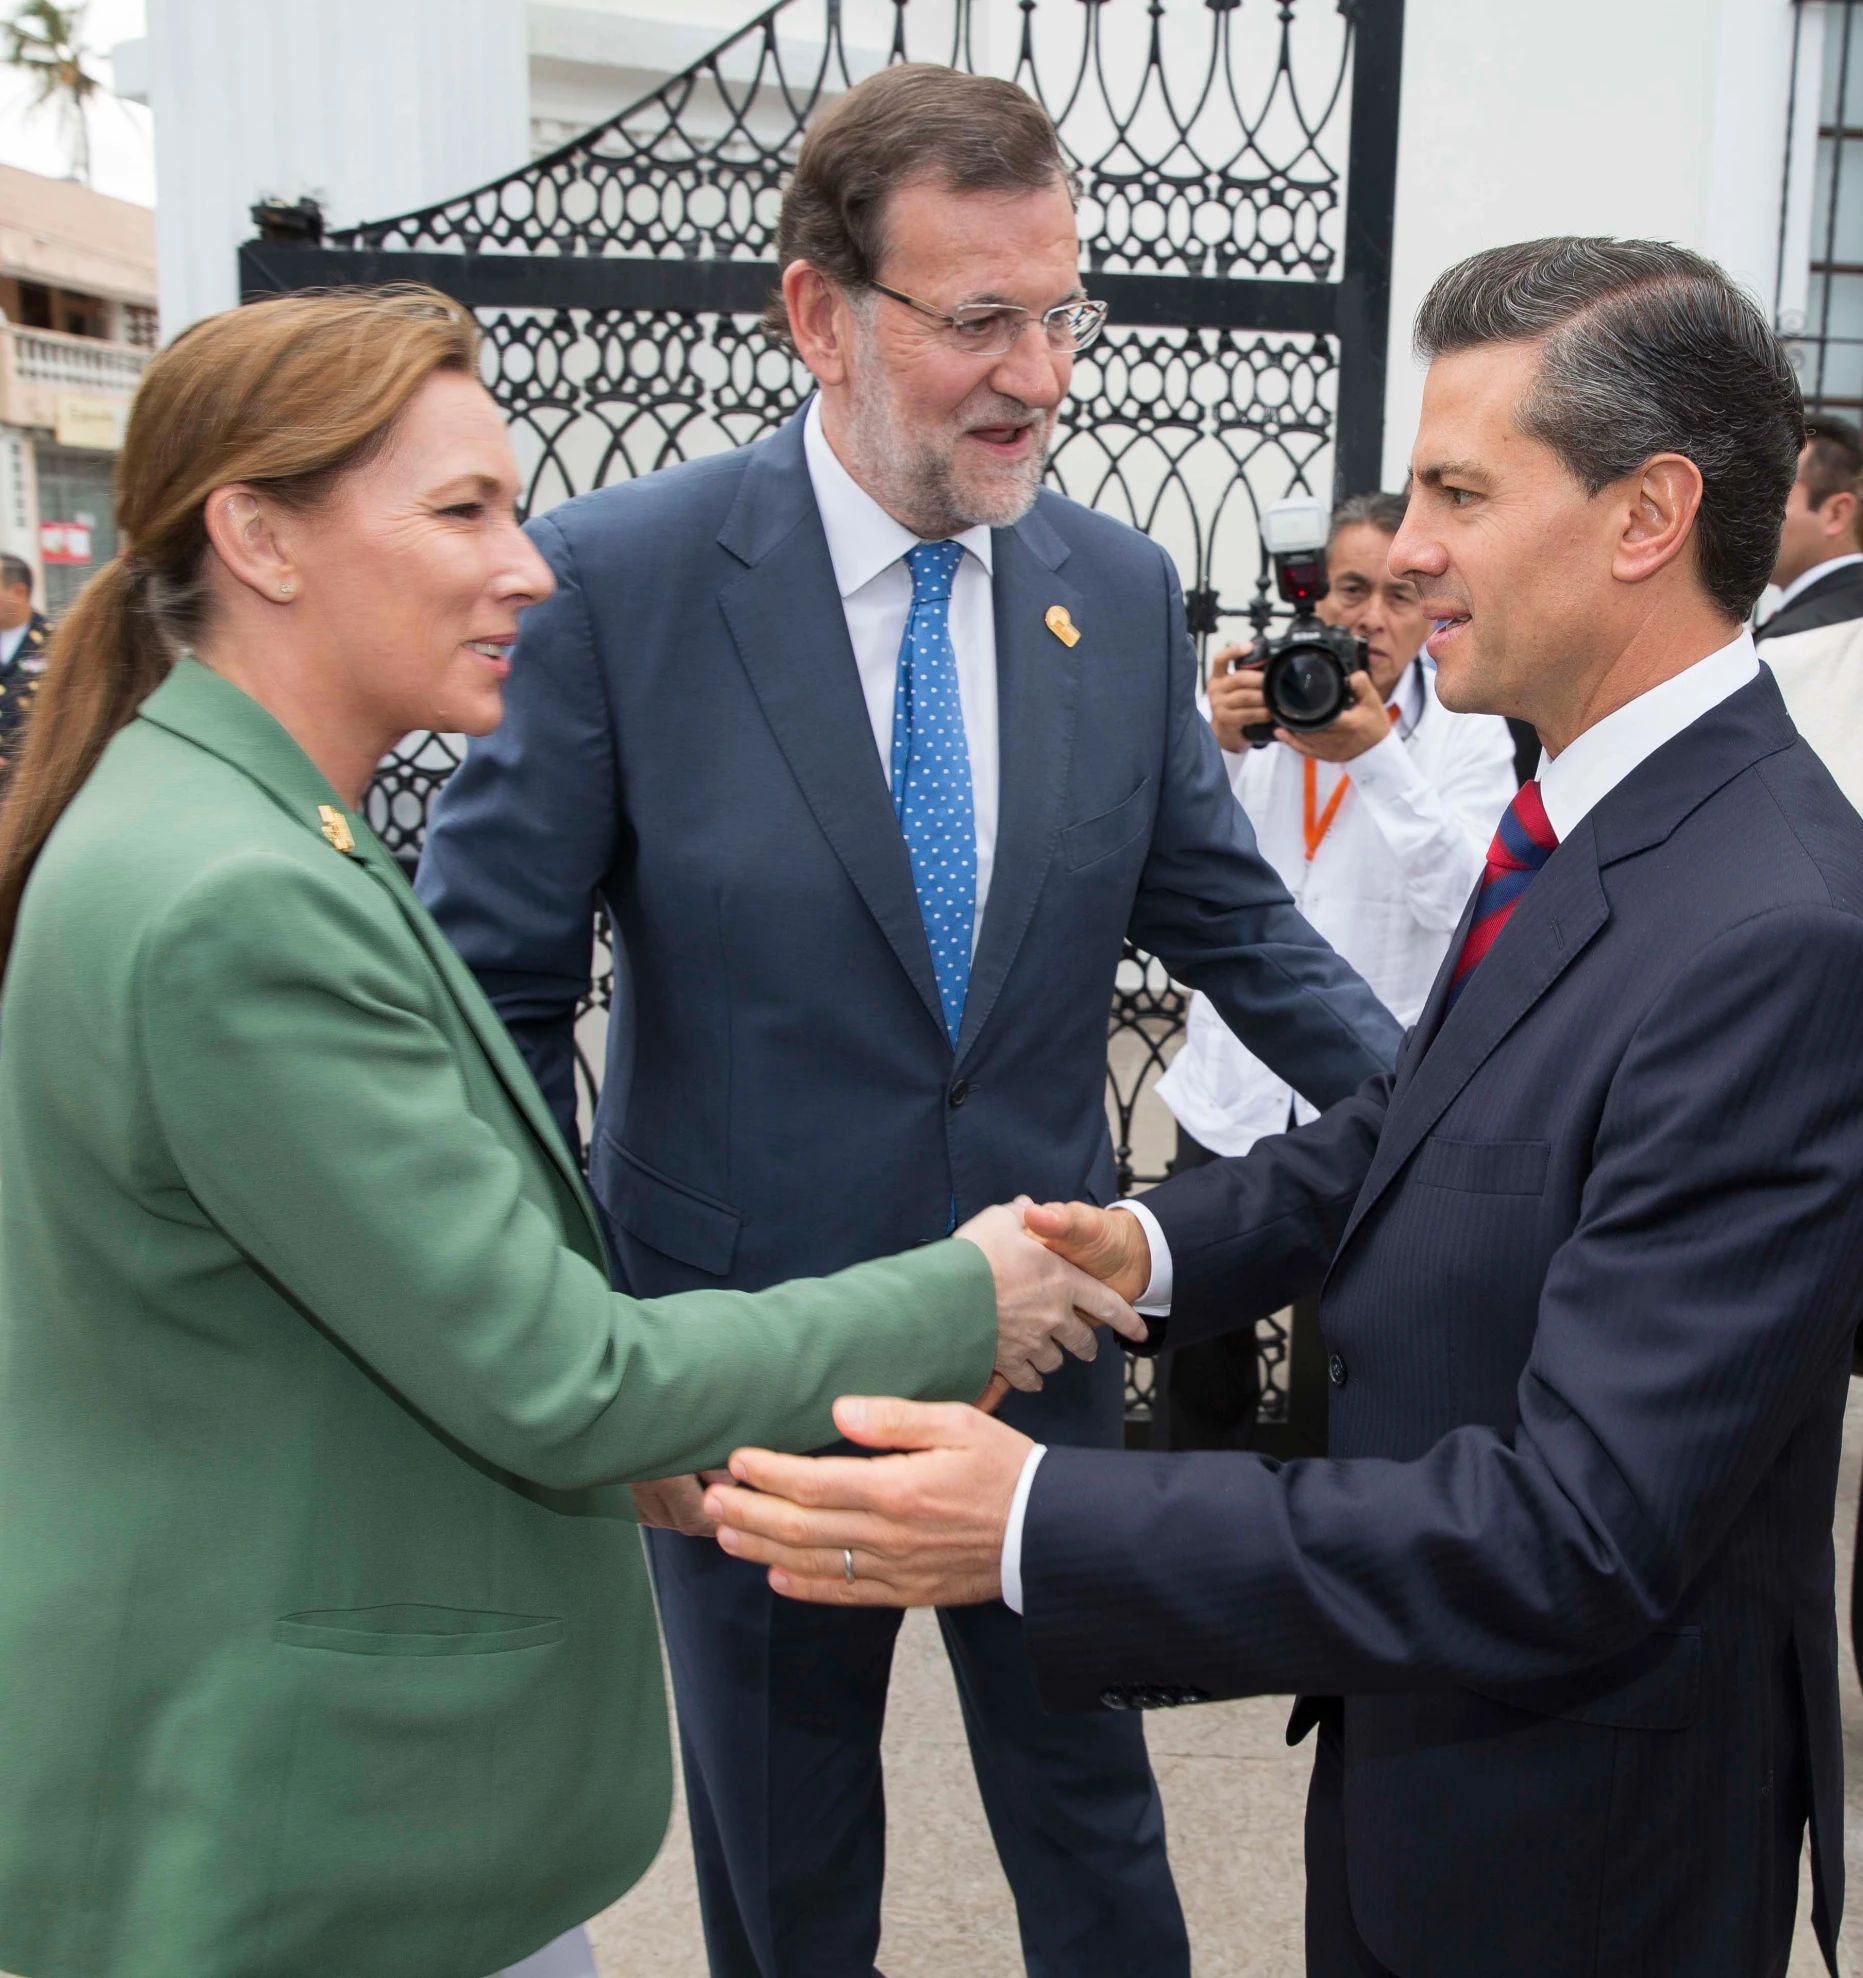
[(284, 590)]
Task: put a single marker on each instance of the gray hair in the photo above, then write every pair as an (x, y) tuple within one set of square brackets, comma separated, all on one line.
[(1379, 510), (1646, 349), (15, 570)]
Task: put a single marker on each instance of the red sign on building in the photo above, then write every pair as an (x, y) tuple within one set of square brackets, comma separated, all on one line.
[(64, 542)]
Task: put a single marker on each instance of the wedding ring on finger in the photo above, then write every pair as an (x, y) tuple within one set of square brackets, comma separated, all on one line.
[(847, 1564)]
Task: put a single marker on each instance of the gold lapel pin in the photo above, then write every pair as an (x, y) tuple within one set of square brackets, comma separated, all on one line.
[(1061, 625), (336, 828)]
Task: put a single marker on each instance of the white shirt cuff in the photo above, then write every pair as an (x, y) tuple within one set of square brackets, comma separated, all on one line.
[(1012, 1532), (1154, 1302), (1387, 767)]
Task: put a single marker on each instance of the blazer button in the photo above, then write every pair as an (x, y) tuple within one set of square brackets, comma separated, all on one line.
[(1336, 1371), (960, 1091)]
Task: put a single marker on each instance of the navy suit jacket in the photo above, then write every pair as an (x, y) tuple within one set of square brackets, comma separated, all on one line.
[(1592, 1266), (1832, 600), (686, 738)]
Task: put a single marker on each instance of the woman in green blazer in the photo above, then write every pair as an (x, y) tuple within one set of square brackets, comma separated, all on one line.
[(326, 1647)]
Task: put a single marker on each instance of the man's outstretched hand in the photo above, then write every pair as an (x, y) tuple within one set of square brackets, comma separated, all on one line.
[(1044, 1304), (1105, 1243), (925, 1529)]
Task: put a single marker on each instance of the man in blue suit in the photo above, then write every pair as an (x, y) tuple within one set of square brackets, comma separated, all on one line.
[(1592, 1260), (877, 752)]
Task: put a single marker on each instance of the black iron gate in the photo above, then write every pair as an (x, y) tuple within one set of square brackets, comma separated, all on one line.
[(1237, 160)]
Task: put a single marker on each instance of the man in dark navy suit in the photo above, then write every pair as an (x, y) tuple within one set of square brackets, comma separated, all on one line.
[(1819, 568), (877, 751), (25, 637), (1560, 1599)]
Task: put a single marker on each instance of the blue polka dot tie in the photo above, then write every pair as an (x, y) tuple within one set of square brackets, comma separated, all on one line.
[(931, 775)]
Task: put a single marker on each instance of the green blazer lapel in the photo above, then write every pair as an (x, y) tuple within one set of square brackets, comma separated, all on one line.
[(487, 1025), (199, 705)]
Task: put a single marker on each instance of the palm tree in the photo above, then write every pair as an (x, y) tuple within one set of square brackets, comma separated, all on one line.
[(47, 41)]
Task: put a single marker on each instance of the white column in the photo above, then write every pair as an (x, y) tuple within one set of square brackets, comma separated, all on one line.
[(1746, 182), (372, 106)]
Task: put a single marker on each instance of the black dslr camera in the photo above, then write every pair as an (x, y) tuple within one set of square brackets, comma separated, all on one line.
[(1306, 671)]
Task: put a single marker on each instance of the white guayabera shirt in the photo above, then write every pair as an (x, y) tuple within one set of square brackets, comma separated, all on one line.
[(1386, 884)]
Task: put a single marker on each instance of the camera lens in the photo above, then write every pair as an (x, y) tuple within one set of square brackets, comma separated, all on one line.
[(1307, 690)]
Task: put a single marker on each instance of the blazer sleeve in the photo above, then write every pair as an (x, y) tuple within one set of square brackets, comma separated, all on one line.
[(1215, 912), (314, 1110), (527, 829), (1709, 1288), (1251, 1233)]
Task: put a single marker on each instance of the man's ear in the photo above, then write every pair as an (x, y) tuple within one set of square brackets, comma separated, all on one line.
[(241, 525), (819, 321), (1838, 512), (1664, 499)]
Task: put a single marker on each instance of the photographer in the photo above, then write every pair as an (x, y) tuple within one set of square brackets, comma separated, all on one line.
[(1379, 824)]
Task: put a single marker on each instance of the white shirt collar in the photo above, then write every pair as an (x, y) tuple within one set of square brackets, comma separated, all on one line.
[(1815, 575), (863, 539), (1592, 765), (10, 642)]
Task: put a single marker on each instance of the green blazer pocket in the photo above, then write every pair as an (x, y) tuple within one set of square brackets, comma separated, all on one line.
[(1095, 838), (415, 1630)]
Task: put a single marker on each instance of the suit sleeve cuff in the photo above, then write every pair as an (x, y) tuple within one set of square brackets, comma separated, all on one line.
[(1154, 1302), (1012, 1532)]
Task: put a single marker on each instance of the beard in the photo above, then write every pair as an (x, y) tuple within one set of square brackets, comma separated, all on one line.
[(921, 473)]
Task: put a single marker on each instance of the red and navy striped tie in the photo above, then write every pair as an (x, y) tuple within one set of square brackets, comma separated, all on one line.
[(1525, 841)]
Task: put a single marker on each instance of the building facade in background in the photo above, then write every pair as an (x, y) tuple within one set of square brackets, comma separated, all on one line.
[(77, 327), (1731, 126), (1821, 242)]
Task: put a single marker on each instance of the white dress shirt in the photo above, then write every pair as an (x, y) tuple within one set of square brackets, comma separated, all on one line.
[(1572, 784), (1386, 887), (866, 546), (10, 641)]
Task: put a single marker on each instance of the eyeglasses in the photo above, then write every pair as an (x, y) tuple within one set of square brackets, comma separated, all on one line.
[(992, 329)]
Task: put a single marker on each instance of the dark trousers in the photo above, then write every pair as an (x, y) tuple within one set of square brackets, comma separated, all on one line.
[(780, 1711)]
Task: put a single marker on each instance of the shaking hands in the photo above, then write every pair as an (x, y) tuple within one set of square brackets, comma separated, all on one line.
[(1047, 1300), (1050, 1299), (925, 1527)]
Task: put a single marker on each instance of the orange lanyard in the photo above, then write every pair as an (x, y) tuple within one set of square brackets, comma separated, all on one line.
[(1318, 826)]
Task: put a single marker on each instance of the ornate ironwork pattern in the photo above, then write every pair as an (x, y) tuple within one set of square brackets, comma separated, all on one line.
[(397, 802), (618, 279), (1146, 1025), (1208, 144)]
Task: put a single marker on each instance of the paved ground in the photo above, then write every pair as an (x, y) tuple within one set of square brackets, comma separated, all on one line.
[(1233, 1794)]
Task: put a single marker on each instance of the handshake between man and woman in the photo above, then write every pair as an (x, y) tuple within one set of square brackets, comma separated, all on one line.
[(327, 1640)]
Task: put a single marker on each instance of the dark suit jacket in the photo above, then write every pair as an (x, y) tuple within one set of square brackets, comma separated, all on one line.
[(687, 739), (19, 684), (1832, 600), (1592, 1264)]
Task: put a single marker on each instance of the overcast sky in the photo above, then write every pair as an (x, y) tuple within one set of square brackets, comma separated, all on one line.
[(122, 151)]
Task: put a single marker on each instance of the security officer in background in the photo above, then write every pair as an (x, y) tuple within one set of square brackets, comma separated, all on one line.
[(1820, 563), (1814, 645), (24, 637)]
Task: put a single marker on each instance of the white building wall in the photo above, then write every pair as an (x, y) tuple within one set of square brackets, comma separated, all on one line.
[(373, 106), (1664, 119)]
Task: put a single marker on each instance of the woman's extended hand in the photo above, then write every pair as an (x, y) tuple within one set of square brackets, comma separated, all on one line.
[(1043, 1303)]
